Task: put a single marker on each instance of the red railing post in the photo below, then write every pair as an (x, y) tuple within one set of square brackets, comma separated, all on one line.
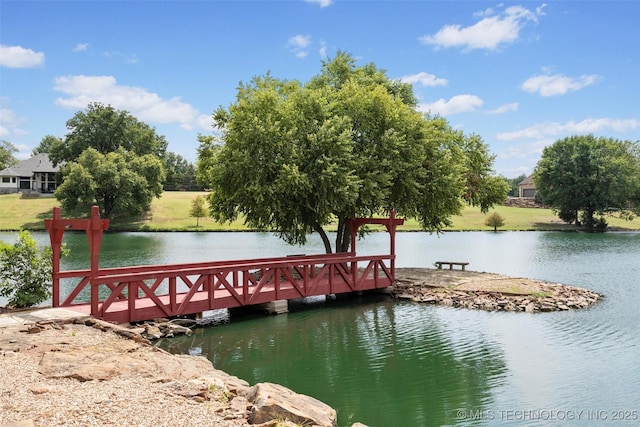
[(132, 294), (55, 237), (93, 228), (94, 235), (389, 223), (391, 228)]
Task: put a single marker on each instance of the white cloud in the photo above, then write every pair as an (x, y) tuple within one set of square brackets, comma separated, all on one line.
[(491, 32), (455, 105), (590, 125), (321, 3), (81, 47), (323, 50), (81, 90), (425, 79), (129, 58), (299, 44), (557, 84), (204, 121), (523, 151), (506, 108), (19, 57), (487, 12), (10, 122), (24, 151)]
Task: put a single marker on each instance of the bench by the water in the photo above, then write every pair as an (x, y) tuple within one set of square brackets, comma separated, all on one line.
[(439, 264)]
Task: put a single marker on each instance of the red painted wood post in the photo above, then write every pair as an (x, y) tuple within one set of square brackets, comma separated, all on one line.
[(94, 234), (55, 237), (390, 224), (93, 228), (391, 228), (353, 230)]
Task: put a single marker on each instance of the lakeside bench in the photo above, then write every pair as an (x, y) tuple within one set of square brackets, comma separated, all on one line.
[(463, 265)]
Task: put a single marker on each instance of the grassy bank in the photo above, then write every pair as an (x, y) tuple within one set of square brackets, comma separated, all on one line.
[(171, 213)]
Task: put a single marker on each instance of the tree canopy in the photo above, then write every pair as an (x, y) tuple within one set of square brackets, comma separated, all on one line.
[(584, 177), (111, 159), (106, 130), (25, 271), (198, 209), (294, 158), (7, 150), (45, 144), (118, 182)]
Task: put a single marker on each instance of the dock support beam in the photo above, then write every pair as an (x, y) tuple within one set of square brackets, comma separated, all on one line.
[(280, 306)]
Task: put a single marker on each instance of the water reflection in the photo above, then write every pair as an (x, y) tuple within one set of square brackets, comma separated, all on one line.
[(350, 354)]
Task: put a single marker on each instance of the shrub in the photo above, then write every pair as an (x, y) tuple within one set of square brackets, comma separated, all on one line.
[(494, 220), (25, 272)]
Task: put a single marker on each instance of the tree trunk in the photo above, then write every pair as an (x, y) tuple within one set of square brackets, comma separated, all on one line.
[(346, 239), (323, 235), (107, 206), (343, 236), (339, 234)]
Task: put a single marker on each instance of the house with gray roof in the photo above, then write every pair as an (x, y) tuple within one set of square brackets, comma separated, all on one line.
[(34, 175)]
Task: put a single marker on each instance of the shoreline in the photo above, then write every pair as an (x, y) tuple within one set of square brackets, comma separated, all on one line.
[(488, 291), (85, 372)]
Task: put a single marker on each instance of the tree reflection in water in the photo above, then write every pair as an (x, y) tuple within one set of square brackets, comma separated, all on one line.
[(374, 360)]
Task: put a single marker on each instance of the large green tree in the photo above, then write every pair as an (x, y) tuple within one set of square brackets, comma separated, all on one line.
[(585, 178), (119, 182), (295, 158), (106, 129), (111, 159), (45, 144), (7, 150)]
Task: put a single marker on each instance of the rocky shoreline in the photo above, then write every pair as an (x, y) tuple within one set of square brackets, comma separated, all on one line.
[(488, 291), (87, 372)]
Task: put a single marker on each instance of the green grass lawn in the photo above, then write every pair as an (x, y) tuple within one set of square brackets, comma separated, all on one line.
[(18, 213), (171, 213)]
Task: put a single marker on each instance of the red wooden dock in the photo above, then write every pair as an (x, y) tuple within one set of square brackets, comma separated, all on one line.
[(130, 294)]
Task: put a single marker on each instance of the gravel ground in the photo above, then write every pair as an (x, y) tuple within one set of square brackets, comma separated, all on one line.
[(28, 398)]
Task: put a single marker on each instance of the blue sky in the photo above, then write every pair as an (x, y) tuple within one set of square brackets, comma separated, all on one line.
[(519, 74)]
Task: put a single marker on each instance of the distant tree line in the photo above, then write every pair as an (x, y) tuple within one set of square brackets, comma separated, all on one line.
[(181, 174), (111, 159), (514, 189)]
